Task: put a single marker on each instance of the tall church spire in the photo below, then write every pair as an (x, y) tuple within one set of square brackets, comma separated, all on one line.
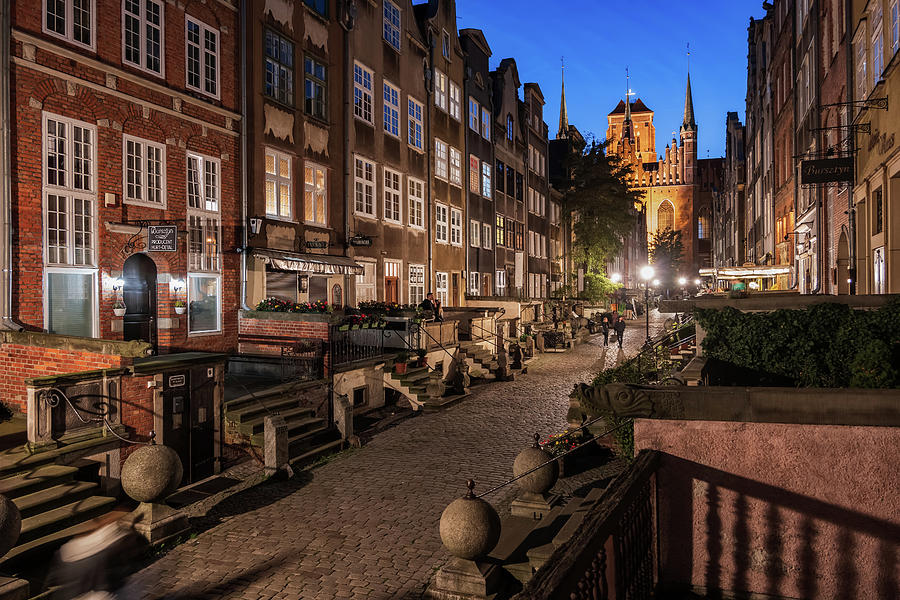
[(689, 122), (627, 126), (563, 113)]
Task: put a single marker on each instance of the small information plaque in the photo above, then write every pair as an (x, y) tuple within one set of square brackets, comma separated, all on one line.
[(162, 238)]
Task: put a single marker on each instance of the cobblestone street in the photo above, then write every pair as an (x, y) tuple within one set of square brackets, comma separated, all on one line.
[(365, 525)]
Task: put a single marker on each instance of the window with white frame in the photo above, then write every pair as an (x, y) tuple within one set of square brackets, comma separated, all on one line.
[(474, 115), (474, 282), (202, 57), (145, 172), (485, 124), (877, 43), (204, 303), (416, 284), (278, 184), (202, 183), (486, 188), (364, 187), (414, 110), (486, 238), (455, 101), (455, 166), (204, 244), (392, 24), (500, 281), (440, 224), (416, 202), (279, 65), (362, 92), (862, 81), (392, 196), (895, 26), (441, 159), (474, 171), (391, 109), (878, 265), (315, 88), (72, 20), (456, 227), (474, 233), (441, 287), (142, 38), (70, 225), (315, 194), (445, 44), (365, 283), (440, 90)]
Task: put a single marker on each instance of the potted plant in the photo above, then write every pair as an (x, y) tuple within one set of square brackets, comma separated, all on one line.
[(119, 308), (400, 362), (180, 307), (421, 354)]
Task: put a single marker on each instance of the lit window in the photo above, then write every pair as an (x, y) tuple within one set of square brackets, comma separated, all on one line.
[(204, 303), (474, 170), (665, 216), (143, 34), (202, 57), (315, 194), (278, 184), (440, 90), (500, 229), (365, 283)]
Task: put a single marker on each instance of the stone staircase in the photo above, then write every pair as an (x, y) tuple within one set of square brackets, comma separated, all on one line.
[(414, 386), (479, 359), (309, 436), (57, 493)]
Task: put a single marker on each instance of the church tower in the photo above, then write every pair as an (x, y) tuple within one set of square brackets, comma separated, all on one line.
[(563, 112), (688, 134)]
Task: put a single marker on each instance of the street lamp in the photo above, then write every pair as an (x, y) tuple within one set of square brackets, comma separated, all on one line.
[(647, 275), (682, 281), (616, 278)]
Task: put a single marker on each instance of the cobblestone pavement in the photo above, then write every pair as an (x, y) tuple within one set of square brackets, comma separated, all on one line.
[(365, 525)]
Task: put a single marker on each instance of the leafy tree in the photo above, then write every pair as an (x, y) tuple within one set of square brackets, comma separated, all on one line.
[(599, 205), (666, 252)]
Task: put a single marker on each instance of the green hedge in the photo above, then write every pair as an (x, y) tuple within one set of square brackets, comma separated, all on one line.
[(825, 345)]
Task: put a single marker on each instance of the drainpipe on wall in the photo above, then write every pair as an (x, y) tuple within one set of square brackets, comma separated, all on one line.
[(6, 242), (347, 24), (429, 87), (465, 161), (851, 210), (819, 192), (245, 240)]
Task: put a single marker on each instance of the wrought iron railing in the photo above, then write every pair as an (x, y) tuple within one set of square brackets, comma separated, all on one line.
[(353, 346), (611, 555)]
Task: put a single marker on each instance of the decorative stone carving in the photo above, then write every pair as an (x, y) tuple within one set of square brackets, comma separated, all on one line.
[(28, 51), (282, 11), (279, 123), (111, 81), (534, 501), (461, 379), (316, 32), (469, 527), (436, 386), (316, 138), (71, 88), (149, 475), (622, 399)]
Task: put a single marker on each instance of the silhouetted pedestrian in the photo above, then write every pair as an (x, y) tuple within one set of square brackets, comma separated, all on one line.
[(620, 329)]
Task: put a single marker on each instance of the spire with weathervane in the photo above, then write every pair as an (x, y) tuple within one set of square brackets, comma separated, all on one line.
[(627, 127), (563, 113), (688, 124)]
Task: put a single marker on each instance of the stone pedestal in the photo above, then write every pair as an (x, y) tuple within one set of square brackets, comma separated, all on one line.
[(462, 579), (275, 439), (343, 415), (158, 522), (533, 506)]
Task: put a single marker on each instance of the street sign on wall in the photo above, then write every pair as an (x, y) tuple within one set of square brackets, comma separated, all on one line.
[(162, 238), (826, 170)]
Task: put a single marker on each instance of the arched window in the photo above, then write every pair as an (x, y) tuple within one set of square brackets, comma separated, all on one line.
[(509, 127), (665, 216), (702, 226)]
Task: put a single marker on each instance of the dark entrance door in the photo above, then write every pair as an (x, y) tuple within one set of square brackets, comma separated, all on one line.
[(202, 459), (176, 417), (139, 293)]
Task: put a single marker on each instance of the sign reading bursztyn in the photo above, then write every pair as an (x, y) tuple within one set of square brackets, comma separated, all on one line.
[(826, 170), (162, 238)]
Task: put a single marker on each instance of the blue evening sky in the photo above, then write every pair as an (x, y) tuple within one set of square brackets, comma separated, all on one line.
[(599, 38)]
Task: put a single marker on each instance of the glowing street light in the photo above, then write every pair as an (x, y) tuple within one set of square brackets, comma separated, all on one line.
[(616, 277), (682, 281), (647, 273)]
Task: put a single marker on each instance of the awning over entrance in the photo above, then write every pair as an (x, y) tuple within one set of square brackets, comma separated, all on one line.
[(322, 264), (746, 272)]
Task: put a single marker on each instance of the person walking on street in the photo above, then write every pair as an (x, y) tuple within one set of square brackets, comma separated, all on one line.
[(620, 329), (604, 326)]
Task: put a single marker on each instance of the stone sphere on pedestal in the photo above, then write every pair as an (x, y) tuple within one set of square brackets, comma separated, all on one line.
[(151, 473), (10, 524), (470, 527), (541, 480)]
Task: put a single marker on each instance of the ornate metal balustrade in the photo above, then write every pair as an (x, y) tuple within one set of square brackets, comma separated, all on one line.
[(613, 554)]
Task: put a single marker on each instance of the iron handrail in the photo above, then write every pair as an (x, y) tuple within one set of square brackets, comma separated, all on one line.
[(440, 345), (388, 333), (556, 458), (484, 339), (47, 396)]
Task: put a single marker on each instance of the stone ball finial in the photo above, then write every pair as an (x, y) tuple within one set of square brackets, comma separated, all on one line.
[(470, 527), (541, 480), (151, 473), (10, 525)]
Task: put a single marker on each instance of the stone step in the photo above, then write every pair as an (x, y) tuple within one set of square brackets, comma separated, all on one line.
[(328, 448), (436, 404), (46, 523), (415, 377), (308, 438), (37, 479), (252, 411), (17, 460), (267, 395), (53, 497), (257, 424), (581, 510), (296, 427)]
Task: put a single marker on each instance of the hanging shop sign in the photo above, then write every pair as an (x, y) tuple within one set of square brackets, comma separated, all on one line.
[(826, 170), (162, 238), (316, 244), (360, 240)]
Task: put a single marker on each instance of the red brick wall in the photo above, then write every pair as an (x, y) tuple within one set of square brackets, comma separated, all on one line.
[(137, 410), (273, 327), (42, 88), (19, 362)]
